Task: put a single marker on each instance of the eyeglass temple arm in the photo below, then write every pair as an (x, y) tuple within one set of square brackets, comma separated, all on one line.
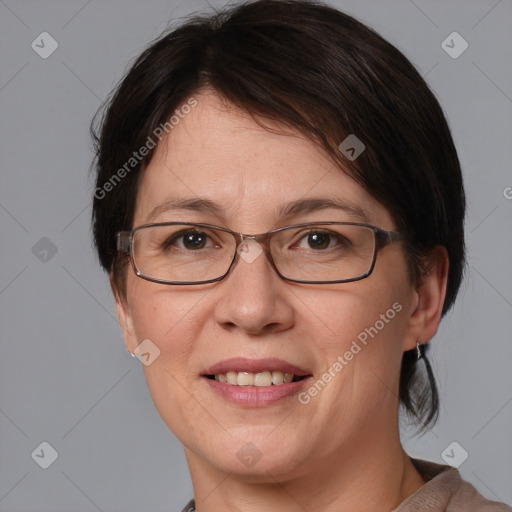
[(388, 237), (123, 240)]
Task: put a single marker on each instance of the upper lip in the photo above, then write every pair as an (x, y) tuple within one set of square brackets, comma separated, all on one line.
[(242, 364)]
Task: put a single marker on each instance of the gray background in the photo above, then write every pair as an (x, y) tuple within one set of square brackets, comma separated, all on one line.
[(65, 376)]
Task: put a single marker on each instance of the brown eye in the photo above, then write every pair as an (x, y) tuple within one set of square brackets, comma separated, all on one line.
[(323, 240), (189, 240), (194, 240), (319, 240)]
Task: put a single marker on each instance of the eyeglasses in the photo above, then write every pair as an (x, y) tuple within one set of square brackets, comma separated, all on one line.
[(184, 253)]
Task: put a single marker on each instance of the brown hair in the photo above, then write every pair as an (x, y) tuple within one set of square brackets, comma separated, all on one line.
[(320, 71)]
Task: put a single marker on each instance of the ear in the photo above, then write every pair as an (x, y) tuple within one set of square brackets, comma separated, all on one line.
[(427, 307), (124, 317)]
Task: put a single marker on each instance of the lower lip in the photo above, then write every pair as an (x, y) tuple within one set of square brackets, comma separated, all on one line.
[(255, 396)]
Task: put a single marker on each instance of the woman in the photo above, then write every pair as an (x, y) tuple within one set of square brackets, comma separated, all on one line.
[(280, 207)]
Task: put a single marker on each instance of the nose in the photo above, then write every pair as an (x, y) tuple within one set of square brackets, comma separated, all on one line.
[(253, 298)]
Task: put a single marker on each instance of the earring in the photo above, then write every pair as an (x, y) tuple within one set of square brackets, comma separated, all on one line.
[(418, 350)]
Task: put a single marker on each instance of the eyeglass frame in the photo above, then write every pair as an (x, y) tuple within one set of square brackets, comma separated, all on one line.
[(382, 238)]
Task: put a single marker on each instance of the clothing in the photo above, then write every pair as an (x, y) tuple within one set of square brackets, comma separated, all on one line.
[(445, 491)]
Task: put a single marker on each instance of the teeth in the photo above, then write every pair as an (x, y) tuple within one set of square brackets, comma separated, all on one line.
[(260, 379), (231, 378)]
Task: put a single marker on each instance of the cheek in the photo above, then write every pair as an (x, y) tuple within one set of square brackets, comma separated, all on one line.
[(356, 332), (170, 319), (362, 323), (162, 314), (350, 312)]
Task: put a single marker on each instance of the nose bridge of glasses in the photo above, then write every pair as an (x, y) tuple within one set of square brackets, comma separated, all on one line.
[(261, 239), (248, 254)]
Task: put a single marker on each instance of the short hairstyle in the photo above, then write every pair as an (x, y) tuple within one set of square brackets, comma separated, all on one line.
[(317, 70)]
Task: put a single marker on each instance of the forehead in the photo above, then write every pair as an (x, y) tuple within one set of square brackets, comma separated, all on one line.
[(219, 153)]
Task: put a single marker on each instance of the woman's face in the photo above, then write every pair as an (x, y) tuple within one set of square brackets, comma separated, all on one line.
[(353, 332)]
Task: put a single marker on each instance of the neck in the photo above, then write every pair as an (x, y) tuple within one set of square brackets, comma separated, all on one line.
[(368, 476)]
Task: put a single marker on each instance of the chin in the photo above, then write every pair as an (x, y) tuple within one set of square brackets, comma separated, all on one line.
[(255, 458)]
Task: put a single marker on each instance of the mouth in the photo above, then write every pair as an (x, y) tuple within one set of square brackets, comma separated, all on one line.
[(263, 378), (255, 382), (241, 371)]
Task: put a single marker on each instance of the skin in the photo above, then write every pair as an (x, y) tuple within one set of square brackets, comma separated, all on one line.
[(341, 451)]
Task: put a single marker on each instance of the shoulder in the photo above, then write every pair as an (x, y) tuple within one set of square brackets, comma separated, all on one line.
[(446, 491), (467, 496)]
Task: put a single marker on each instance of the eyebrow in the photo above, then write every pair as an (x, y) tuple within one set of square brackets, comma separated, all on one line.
[(300, 206), (177, 204), (313, 204)]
